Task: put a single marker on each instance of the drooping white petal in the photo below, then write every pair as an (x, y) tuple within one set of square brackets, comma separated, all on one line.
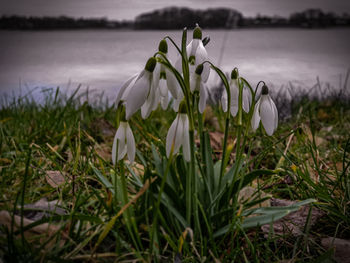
[(172, 83), (267, 114), (156, 75), (163, 87), (178, 135), (138, 94), (156, 101), (178, 64), (195, 80), (151, 103), (124, 90), (172, 137), (164, 101), (146, 108), (177, 101), (119, 145), (256, 116), (203, 95), (224, 99), (206, 72), (246, 99), (275, 113), (186, 138), (234, 110), (192, 47), (201, 53), (130, 141)]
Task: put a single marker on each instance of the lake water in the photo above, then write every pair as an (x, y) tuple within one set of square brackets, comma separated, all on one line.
[(102, 60)]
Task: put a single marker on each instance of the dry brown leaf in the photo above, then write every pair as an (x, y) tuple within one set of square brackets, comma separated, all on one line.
[(248, 193), (138, 168), (5, 161), (341, 246), (103, 127), (318, 140), (56, 178), (104, 150), (44, 231), (211, 119), (314, 176), (293, 223), (42, 208), (339, 166)]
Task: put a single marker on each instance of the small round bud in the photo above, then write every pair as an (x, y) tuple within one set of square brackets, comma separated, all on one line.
[(163, 46), (151, 64), (199, 69), (234, 74), (197, 33), (264, 90)]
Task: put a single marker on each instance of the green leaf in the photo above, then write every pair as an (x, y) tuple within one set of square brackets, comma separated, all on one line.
[(157, 160), (267, 216), (264, 219), (103, 179), (271, 214)]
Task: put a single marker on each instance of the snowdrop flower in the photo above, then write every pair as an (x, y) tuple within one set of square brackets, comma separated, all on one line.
[(197, 84), (125, 141), (178, 135), (196, 54), (246, 99), (138, 89), (266, 111), (164, 80), (234, 90)]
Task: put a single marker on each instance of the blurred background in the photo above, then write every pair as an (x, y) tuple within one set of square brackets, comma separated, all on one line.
[(99, 44)]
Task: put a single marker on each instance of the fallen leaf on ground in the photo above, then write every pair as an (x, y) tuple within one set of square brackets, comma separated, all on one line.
[(318, 140), (293, 223), (341, 246), (43, 232), (42, 208), (56, 178), (104, 151), (249, 193), (103, 127)]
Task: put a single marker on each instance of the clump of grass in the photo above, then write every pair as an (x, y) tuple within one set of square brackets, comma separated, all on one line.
[(59, 135)]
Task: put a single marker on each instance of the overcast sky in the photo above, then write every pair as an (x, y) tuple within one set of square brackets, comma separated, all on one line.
[(129, 9)]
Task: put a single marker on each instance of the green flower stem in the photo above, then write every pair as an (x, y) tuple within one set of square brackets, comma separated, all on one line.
[(195, 183), (191, 178), (227, 122), (239, 149), (224, 159)]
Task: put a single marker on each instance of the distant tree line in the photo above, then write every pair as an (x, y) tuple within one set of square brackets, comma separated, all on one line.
[(62, 22), (176, 18)]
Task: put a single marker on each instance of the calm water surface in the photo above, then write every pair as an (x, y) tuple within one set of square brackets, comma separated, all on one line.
[(102, 60)]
